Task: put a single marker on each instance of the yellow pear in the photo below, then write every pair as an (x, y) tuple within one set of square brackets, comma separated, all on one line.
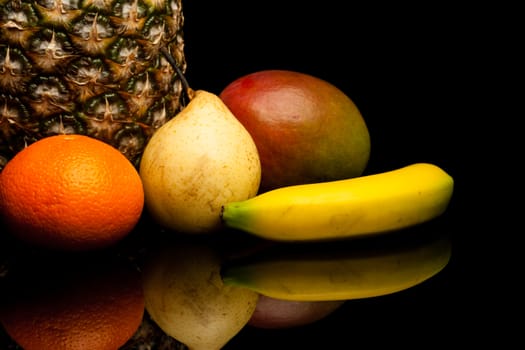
[(196, 162), (185, 296)]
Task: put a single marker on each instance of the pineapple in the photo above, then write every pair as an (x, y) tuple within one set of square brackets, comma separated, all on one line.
[(103, 68), (93, 67)]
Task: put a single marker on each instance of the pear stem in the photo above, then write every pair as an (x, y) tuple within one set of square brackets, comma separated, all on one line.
[(186, 86)]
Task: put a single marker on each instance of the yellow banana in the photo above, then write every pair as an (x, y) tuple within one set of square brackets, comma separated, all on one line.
[(358, 206), (340, 271)]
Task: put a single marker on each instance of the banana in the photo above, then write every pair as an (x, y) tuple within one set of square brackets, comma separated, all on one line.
[(339, 271), (358, 206)]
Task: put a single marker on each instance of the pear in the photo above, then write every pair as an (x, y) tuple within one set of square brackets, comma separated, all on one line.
[(185, 296), (196, 162)]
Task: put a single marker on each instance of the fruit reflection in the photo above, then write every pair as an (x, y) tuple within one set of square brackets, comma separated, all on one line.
[(58, 302)]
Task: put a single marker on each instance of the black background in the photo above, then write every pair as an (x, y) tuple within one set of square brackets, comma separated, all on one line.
[(424, 78)]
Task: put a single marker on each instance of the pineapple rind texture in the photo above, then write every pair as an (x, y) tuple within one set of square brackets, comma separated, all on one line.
[(92, 67)]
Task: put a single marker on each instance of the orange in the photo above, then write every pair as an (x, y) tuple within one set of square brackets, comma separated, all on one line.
[(70, 192), (75, 304)]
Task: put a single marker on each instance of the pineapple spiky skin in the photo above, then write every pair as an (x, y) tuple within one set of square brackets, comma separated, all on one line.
[(92, 67)]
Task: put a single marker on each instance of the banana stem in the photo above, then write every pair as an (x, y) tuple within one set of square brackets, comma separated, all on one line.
[(184, 81)]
